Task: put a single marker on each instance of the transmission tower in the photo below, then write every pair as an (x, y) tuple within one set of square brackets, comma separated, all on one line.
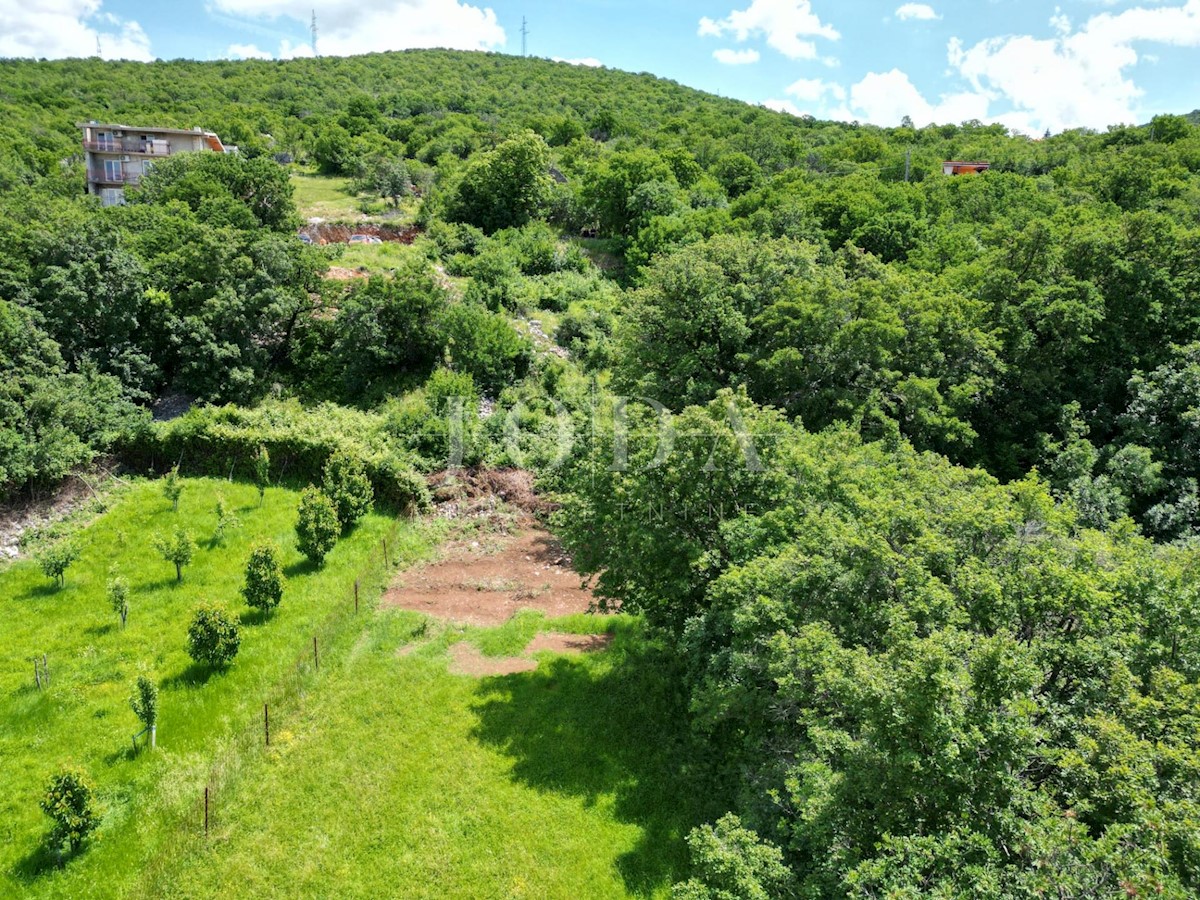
[(314, 32), (524, 37)]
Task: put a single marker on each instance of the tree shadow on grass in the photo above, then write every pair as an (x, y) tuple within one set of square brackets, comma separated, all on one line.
[(582, 727), (304, 567), (195, 675), (252, 617), (41, 860), (43, 590)]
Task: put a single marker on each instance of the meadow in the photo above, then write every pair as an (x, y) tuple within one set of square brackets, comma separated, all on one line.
[(385, 774)]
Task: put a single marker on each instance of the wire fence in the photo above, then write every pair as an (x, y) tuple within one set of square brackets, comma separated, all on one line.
[(325, 648)]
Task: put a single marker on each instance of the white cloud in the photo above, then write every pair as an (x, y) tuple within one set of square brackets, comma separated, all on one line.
[(886, 98), (61, 28), (347, 27), (588, 61), (246, 51), (1078, 78), (786, 25), (813, 90), (920, 11), (729, 57), (784, 106)]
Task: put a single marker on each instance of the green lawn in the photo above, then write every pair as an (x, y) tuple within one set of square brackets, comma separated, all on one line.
[(84, 717), (375, 259), (327, 197), (386, 775)]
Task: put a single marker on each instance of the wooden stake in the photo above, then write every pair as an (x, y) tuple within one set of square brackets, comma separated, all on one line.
[(266, 725), (45, 669), (356, 596), (37, 674), (206, 810), (316, 658)]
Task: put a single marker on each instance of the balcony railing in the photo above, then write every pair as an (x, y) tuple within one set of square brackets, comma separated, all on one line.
[(150, 148), (101, 177)]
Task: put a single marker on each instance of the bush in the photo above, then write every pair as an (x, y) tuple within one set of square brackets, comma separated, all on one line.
[(347, 485), (172, 487), (317, 526), (213, 637), (733, 863), (57, 558), (264, 578), (68, 802)]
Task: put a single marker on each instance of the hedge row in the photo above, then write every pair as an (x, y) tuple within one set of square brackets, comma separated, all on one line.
[(223, 440)]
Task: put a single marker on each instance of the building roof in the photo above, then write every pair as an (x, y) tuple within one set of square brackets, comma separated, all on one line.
[(213, 141), (955, 162)]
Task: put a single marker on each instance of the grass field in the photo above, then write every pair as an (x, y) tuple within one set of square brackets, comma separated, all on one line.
[(386, 774), (330, 198), (84, 718), (376, 259)]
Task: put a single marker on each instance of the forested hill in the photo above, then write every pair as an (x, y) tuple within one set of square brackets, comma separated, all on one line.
[(922, 555)]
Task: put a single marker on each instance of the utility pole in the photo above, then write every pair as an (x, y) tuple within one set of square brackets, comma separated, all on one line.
[(524, 37), (314, 32)]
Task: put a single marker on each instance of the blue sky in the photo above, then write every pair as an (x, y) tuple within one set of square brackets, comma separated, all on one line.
[(1030, 65)]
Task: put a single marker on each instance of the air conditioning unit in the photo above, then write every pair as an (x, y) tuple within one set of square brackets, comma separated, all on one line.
[(125, 159)]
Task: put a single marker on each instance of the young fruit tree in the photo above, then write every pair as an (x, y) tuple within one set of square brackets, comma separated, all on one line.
[(144, 703), (176, 549), (264, 578), (172, 487), (225, 520), (213, 637), (317, 527), (348, 487), (56, 559), (68, 802), (117, 591), (262, 471)]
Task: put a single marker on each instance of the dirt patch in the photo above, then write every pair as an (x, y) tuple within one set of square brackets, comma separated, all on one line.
[(487, 578), (465, 659), (21, 516), (341, 273), (557, 642), (459, 493), (324, 233)]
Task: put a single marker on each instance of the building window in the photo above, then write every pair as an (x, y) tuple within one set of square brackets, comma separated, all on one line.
[(112, 197), (112, 170), (105, 140)]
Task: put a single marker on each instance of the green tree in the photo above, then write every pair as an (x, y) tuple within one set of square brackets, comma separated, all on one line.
[(57, 558), (172, 487), (177, 549), (505, 187), (317, 525), (345, 482), (117, 592), (262, 471), (144, 703), (68, 803), (226, 519), (733, 863), (263, 587), (213, 637), (391, 180)]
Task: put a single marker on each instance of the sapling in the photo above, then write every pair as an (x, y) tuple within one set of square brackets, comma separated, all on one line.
[(176, 549), (225, 519), (172, 487), (144, 703), (56, 559), (117, 591), (213, 637), (262, 471), (68, 802), (317, 526), (264, 578)]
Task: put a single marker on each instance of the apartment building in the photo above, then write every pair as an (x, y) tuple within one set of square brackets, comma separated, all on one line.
[(119, 155)]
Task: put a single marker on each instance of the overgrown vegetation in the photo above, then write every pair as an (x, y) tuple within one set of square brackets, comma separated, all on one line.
[(908, 493)]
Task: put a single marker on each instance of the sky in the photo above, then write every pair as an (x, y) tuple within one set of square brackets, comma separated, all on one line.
[(1033, 66)]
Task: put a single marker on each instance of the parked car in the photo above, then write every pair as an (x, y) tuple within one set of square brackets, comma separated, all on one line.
[(364, 239), (304, 238)]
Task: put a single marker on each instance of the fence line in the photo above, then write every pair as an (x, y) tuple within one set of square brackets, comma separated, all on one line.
[(286, 696)]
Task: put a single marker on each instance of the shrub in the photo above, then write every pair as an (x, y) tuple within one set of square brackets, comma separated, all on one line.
[(68, 802), (117, 591), (57, 558), (733, 863), (176, 549), (225, 520), (317, 526), (347, 485), (213, 637), (264, 578)]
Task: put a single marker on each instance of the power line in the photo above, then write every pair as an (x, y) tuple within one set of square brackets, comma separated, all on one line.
[(314, 33)]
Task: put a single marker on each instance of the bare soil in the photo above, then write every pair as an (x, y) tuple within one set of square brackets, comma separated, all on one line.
[(485, 578), (325, 233), (465, 659)]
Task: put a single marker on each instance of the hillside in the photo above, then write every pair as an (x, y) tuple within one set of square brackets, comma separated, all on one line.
[(893, 476)]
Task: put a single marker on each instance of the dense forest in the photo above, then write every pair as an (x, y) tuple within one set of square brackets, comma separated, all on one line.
[(901, 468)]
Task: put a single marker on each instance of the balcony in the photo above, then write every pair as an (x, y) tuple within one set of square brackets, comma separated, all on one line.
[(101, 177), (146, 148)]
